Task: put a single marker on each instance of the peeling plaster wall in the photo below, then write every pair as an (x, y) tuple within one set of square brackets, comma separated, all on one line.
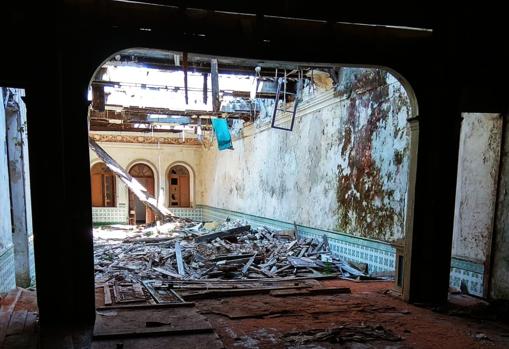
[(476, 189), (21, 215), (5, 202), (344, 167), (7, 269), (158, 157), (500, 267)]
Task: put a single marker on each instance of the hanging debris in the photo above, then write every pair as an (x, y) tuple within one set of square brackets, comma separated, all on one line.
[(139, 190)]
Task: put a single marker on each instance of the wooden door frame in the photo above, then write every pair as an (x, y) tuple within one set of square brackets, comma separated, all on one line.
[(130, 205), (169, 176), (192, 181)]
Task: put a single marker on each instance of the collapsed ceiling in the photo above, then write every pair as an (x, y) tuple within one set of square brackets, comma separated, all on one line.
[(144, 90)]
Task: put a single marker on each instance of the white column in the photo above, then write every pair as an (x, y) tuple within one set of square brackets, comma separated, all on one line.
[(17, 151)]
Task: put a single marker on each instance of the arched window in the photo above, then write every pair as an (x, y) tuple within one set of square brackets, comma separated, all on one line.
[(103, 186), (179, 186), (138, 212)]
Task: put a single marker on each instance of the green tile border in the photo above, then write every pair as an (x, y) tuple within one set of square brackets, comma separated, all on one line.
[(383, 246), (7, 269), (464, 264)]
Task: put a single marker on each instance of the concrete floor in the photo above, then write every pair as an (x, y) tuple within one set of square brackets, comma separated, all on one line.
[(264, 321)]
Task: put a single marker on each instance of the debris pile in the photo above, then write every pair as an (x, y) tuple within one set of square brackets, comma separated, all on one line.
[(342, 334), (193, 256)]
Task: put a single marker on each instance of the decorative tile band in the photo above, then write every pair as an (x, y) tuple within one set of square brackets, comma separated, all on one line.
[(7, 270), (119, 215), (471, 273), (194, 213), (112, 215)]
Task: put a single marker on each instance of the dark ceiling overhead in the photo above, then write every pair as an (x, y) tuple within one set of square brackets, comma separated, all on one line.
[(375, 13)]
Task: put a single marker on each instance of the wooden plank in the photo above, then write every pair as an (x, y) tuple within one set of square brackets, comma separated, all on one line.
[(136, 322), (223, 234), (248, 264), (302, 262), (31, 323), (17, 323), (138, 291), (329, 290), (234, 293), (289, 292), (291, 245), (205, 88), (116, 294), (185, 64), (272, 280), (214, 79), (128, 293), (148, 306), (183, 286), (180, 262), (107, 295), (163, 298), (232, 257), (167, 272), (8, 305), (286, 234), (149, 240), (136, 188)]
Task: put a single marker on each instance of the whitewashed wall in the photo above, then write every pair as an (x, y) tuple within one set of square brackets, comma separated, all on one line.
[(7, 269), (476, 189), (500, 267), (344, 167)]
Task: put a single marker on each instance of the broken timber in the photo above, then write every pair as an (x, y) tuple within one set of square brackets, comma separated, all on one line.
[(223, 234), (180, 262), (139, 190)]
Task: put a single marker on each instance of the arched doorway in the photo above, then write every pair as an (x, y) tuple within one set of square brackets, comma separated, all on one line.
[(103, 186), (138, 212), (178, 177)]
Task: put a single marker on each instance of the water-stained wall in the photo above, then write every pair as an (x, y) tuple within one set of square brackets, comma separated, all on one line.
[(344, 166), (476, 189), (500, 267), (7, 268)]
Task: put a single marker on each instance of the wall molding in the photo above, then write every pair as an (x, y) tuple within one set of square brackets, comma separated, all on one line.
[(139, 139)]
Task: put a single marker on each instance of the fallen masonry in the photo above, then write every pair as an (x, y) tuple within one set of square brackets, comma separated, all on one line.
[(182, 260)]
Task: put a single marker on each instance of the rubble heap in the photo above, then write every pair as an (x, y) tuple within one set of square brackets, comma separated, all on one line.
[(233, 250)]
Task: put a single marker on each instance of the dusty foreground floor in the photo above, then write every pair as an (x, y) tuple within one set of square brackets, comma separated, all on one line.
[(368, 317), (262, 321)]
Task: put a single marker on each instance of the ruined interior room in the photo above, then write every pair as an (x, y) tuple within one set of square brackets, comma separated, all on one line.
[(195, 176)]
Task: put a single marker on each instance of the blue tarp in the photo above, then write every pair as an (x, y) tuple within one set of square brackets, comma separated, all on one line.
[(224, 140)]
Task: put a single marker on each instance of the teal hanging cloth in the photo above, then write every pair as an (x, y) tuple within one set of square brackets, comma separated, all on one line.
[(224, 140)]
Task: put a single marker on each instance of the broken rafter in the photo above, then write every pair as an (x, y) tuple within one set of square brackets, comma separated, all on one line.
[(140, 191), (205, 88), (214, 77), (185, 65), (140, 114)]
